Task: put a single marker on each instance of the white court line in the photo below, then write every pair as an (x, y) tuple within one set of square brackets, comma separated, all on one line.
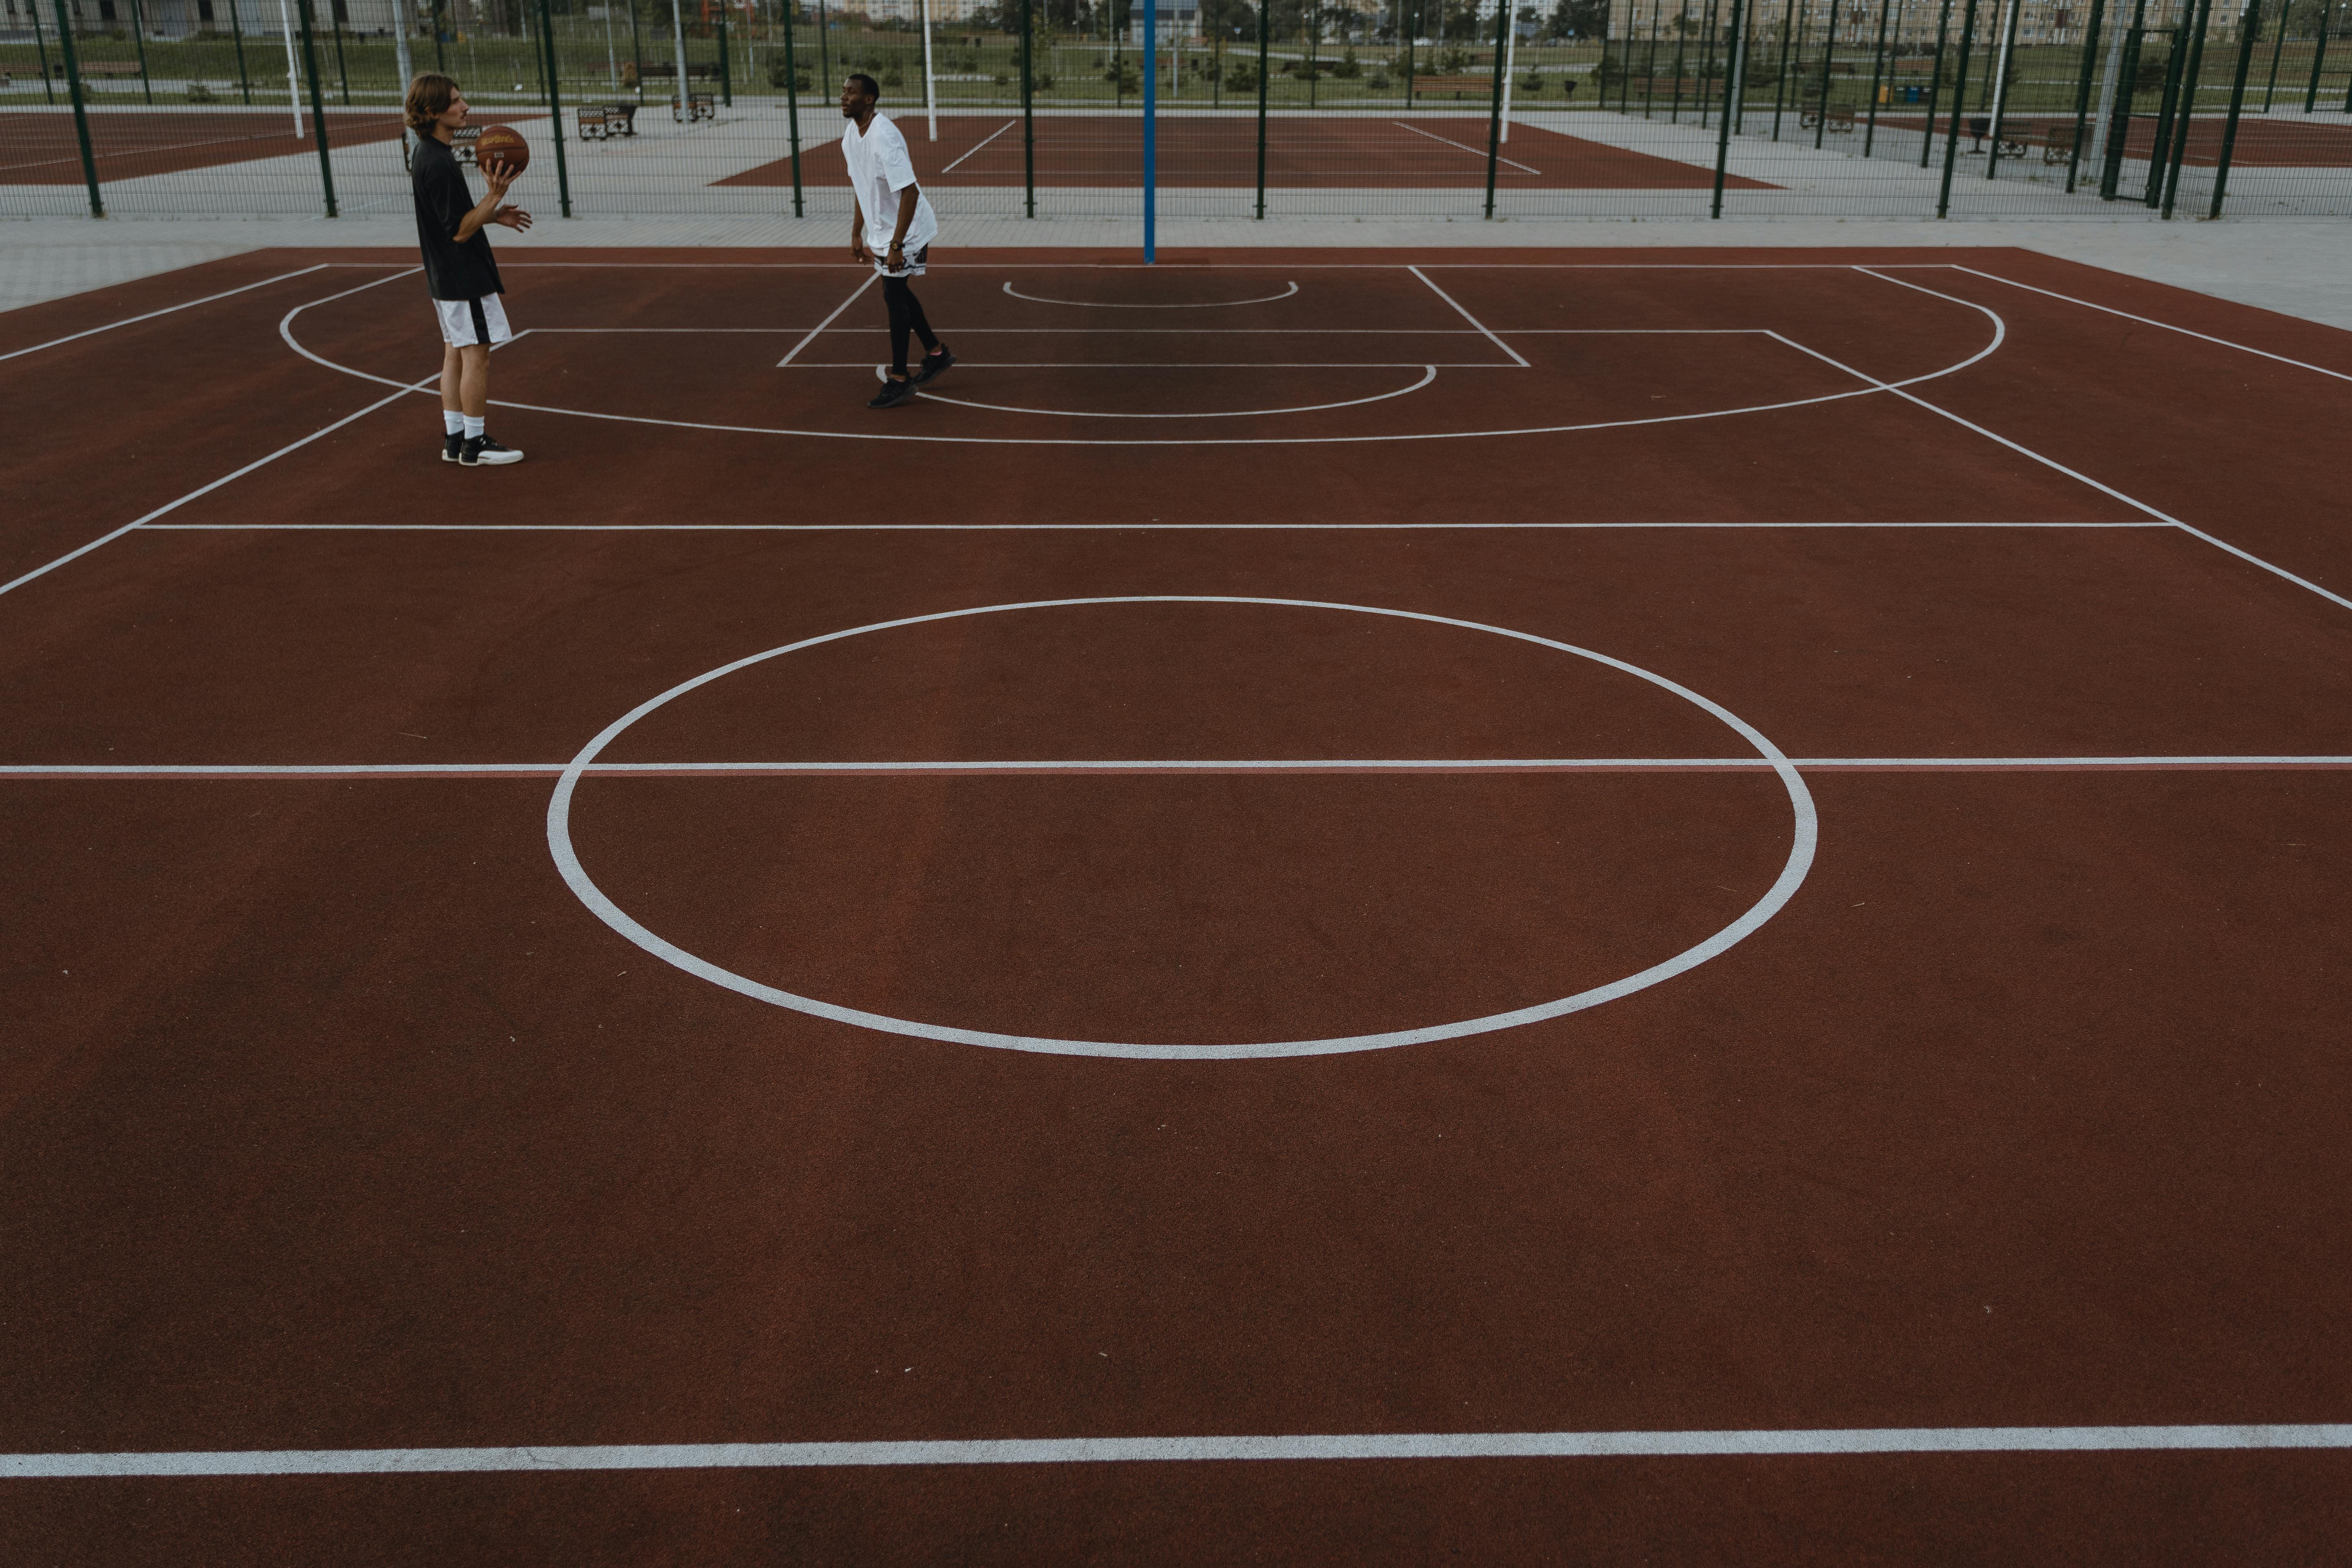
[(1180, 364), (1035, 527), (992, 136), (2184, 763), (1743, 1443), (131, 320), (2246, 555), (259, 462), (821, 326), (1390, 438), (1466, 316), (1428, 375), (1479, 152), (1124, 305), (2150, 321)]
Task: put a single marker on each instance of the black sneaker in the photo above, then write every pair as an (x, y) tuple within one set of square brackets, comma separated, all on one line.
[(453, 448), (938, 360), (893, 393), (485, 450)]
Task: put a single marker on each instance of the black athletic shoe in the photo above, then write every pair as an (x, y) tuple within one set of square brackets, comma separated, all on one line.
[(893, 393), (940, 359), (486, 451), (453, 448)]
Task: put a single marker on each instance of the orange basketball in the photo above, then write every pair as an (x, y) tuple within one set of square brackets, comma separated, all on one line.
[(502, 145)]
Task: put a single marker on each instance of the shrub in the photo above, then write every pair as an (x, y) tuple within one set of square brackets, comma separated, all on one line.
[(1533, 82), (1241, 76), (892, 76), (1379, 83), (1347, 66), (199, 93), (1040, 79)]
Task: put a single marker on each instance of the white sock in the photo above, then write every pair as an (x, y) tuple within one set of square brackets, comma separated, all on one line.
[(452, 422), (474, 427)]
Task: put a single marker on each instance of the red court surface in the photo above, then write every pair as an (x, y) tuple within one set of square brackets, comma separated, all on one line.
[(1366, 152), (1614, 906), (2285, 142), (39, 146)]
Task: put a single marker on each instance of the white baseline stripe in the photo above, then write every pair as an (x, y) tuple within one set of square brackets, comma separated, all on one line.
[(2246, 555), (1466, 316), (1030, 526), (1165, 766), (1478, 151), (2152, 321), (821, 326), (129, 321), (1164, 1450), (991, 137)]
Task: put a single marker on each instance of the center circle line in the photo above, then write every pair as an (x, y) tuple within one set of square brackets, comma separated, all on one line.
[(1804, 840)]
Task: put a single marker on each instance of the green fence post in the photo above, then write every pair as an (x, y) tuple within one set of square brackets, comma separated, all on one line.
[(81, 111), (792, 101), (636, 51), (139, 37), (2250, 23), (41, 43), (823, 59), (1028, 112), (1264, 36), (1682, 42), (2083, 91), (2318, 58), (2005, 74), (1781, 71), (318, 109), (2278, 47), (1877, 72), (1650, 68), (1723, 129), (2111, 172), (1707, 65), (440, 61), (1829, 53), (726, 73), (2167, 107), (555, 108), (342, 71), (236, 32), (1959, 108), (1413, 32), (1936, 83), (2193, 71), (1494, 108)]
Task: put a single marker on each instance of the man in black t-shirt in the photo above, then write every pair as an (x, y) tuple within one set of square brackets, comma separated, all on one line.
[(459, 271)]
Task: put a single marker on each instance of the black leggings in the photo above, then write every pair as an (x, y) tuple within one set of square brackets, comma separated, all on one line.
[(905, 316)]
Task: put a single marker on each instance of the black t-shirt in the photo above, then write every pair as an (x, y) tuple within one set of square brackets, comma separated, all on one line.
[(452, 272)]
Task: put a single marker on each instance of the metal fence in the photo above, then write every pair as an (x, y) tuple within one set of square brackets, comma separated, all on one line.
[(1733, 109)]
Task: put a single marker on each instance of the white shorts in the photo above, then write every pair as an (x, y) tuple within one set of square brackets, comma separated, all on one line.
[(464, 323), (918, 262)]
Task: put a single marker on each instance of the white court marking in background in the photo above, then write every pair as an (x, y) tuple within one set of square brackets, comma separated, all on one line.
[(1130, 305), (1805, 831)]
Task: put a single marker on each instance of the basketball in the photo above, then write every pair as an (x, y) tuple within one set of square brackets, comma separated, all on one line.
[(502, 145)]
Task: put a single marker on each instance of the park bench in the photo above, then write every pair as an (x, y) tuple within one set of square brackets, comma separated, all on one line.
[(2057, 144), (1840, 119), (699, 105), (1453, 86), (2014, 143), (603, 122), (101, 68)]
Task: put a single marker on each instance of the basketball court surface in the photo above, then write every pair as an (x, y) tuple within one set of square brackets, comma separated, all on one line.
[(1630, 905)]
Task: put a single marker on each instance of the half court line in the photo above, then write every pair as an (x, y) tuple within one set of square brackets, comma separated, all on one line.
[(881, 767), (1164, 1450), (1032, 527)]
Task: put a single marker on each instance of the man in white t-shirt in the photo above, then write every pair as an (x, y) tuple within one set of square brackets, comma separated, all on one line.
[(892, 228)]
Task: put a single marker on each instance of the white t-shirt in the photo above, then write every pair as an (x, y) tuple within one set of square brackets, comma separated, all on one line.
[(879, 168)]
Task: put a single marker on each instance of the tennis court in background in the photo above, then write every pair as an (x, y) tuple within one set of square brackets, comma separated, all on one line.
[(1333, 905)]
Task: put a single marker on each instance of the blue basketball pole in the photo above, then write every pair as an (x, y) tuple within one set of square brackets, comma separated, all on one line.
[(1151, 140)]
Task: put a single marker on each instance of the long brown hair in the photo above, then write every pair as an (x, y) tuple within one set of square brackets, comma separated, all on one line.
[(429, 93)]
